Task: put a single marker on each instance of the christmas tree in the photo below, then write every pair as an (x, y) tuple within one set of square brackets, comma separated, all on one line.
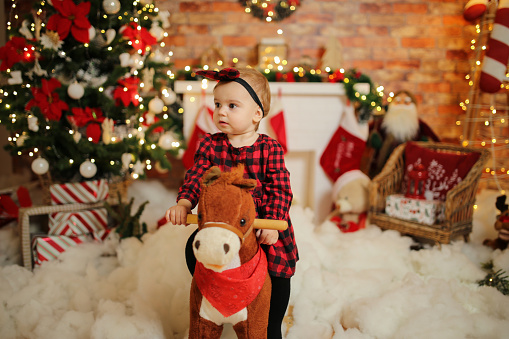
[(88, 93)]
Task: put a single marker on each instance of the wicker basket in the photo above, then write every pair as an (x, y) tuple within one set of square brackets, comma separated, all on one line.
[(458, 203)]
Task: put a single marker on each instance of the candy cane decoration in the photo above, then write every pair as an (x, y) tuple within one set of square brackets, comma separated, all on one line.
[(495, 61)]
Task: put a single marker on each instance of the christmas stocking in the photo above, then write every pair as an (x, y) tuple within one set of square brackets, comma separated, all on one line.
[(203, 124), (497, 56), (345, 149), (474, 9), (277, 122)]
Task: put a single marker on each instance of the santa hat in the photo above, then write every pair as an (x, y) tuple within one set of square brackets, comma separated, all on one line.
[(347, 178)]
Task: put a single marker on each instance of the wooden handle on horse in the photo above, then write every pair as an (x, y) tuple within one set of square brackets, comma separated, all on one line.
[(267, 224)]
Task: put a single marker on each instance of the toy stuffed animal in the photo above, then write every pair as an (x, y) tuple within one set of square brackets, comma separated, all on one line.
[(501, 225), (350, 193), (231, 282)]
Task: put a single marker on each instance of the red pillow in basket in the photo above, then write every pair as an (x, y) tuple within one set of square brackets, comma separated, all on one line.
[(445, 168)]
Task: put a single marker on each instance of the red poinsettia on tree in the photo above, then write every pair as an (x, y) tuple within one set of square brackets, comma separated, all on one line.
[(16, 50), (47, 100), (91, 116), (71, 17), (127, 92), (139, 37)]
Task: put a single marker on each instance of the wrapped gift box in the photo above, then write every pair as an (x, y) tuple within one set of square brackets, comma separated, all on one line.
[(427, 212), (78, 223), (79, 192), (47, 248), (101, 235)]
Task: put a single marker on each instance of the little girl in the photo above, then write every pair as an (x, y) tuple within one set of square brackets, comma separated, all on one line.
[(242, 99)]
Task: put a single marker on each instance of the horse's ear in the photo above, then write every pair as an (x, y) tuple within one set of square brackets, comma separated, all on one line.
[(210, 176), (239, 180), (248, 184)]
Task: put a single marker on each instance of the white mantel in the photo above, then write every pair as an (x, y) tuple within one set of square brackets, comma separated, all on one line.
[(312, 115)]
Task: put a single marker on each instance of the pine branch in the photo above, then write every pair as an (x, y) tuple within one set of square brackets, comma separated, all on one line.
[(498, 279), (127, 225)]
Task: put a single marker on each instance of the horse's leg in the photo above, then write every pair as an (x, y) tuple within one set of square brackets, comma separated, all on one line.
[(204, 329), (200, 328), (257, 315)]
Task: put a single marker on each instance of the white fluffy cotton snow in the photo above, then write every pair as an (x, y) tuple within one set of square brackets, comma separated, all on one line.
[(367, 284)]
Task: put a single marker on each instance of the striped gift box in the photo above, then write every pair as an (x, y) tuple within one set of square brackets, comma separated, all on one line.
[(80, 192), (78, 223), (47, 248), (101, 235)]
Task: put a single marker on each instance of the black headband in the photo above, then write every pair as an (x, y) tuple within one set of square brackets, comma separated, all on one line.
[(231, 74)]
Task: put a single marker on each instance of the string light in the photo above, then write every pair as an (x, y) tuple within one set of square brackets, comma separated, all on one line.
[(480, 128)]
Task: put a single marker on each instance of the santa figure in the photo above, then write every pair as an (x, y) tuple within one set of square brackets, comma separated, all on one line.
[(400, 124)]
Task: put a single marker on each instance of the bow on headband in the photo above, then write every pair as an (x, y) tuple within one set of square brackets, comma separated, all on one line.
[(232, 74), (227, 74)]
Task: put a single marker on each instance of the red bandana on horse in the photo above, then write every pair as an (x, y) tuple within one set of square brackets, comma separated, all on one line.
[(232, 290)]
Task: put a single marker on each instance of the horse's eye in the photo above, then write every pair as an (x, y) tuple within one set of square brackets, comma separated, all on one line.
[(242, 222), (199, 216)]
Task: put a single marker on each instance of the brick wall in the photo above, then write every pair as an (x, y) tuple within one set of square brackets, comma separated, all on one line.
[(420, 46)]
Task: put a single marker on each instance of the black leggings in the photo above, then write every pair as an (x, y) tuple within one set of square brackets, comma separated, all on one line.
[(278, 301)]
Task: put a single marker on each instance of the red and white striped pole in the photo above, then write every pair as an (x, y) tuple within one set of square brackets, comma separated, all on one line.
[(494, 67)]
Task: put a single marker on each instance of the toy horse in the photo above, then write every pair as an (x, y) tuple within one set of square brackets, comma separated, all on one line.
[(231, 282)]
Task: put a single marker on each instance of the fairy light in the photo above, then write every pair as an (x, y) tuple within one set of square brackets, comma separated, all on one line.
[(478, 124)]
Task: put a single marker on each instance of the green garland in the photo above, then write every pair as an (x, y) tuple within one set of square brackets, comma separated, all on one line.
[(365, 103), (270, 10)]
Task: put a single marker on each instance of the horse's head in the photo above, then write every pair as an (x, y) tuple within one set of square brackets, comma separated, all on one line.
[(226, 213)]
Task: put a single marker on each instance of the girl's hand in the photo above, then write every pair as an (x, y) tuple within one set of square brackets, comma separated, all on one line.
[(177, 214), (267, 237)]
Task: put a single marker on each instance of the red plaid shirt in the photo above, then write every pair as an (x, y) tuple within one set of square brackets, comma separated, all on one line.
[(264, 162)]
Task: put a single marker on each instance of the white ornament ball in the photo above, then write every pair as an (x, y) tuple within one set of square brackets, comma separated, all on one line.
[(111, 6), (156, 105), (88, 169), (40, 166), (75, 91), (169, 96), (166, 140)]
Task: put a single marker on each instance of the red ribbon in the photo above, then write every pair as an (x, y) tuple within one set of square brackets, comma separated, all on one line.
[(226, 74)]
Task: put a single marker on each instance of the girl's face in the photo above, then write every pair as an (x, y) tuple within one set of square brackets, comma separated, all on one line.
[(235, 111)]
